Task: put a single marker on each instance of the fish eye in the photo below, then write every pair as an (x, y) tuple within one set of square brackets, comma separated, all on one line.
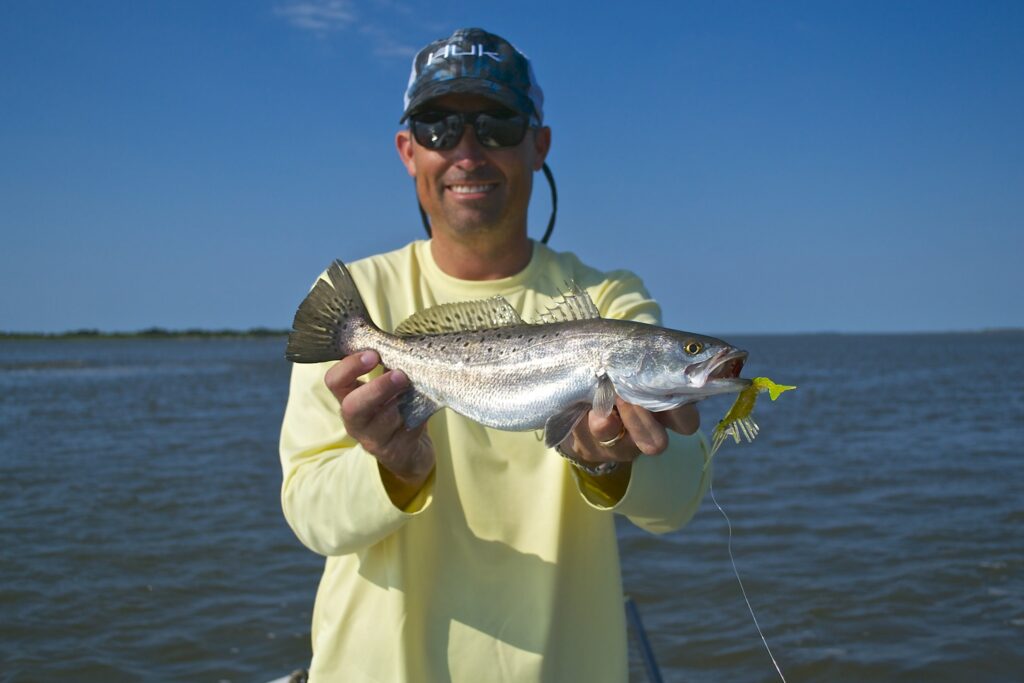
[(693, 348)]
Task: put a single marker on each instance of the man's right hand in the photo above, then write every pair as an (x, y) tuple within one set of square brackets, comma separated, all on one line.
[(370, 413)]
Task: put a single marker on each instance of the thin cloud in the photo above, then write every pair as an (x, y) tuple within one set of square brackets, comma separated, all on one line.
[(396, 6), (379, 22), (385, 44), (319, 16)]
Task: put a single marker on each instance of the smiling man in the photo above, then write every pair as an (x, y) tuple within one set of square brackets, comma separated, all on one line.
[(456, 552), (477, 191)]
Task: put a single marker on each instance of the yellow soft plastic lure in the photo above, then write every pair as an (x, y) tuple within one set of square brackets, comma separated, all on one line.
[(737, 422)]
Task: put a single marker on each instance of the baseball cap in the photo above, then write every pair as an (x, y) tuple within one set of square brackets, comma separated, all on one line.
[(474, 61)]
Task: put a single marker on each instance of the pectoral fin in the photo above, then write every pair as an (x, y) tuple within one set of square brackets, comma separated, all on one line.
[(604, 397), (560, 424), (416, 407)]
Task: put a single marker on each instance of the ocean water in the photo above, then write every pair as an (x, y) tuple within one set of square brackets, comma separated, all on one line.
[(876, 520)]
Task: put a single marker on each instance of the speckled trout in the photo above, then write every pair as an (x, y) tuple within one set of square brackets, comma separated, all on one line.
[(482, 360)]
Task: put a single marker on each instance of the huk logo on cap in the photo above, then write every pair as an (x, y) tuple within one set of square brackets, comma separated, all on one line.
[(451, 50), (473, 61)]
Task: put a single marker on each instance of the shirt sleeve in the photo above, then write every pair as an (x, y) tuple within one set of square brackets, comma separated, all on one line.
[(332, 494), (664, 491)]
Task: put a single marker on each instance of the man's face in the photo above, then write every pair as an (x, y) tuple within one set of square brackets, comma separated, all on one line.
[(472, 188)]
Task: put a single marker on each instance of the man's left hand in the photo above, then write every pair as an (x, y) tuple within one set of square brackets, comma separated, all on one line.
[(642, 432)]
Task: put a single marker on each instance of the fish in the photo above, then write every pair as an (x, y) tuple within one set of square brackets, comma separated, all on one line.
[(483, 361)]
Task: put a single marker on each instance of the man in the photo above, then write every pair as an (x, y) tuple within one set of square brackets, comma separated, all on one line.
[(456, 552)]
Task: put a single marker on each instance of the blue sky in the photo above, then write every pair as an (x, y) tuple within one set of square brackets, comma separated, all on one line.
[(766, 167)]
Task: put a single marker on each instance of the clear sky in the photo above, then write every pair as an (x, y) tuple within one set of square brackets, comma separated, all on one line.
[(765, 166)]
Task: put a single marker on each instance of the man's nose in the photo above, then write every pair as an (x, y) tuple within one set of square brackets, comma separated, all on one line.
[(469, 153)]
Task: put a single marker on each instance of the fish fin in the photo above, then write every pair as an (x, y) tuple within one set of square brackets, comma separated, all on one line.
[(485, 314), (653, 403), (415, 407), (604, 397), (327, 319), (575, 304), (560, 424)]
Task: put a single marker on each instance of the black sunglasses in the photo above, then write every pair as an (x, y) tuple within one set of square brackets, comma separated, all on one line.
[(440, 130)]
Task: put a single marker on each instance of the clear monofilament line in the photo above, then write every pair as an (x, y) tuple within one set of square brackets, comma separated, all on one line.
[(711, 489)]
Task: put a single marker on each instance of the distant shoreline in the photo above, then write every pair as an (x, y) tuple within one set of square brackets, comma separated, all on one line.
[(149, 333)]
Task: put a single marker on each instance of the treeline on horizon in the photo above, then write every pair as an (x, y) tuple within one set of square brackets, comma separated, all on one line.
[(148, 333)]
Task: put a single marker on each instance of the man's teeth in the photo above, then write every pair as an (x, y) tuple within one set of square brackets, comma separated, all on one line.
[(470, 189)]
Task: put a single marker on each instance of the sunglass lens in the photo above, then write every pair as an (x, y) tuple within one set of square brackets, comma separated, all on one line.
[(500, 130), (443, 130), (437, 130)]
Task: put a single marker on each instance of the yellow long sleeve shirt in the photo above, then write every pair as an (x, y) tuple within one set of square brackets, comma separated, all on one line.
[(505, 567)]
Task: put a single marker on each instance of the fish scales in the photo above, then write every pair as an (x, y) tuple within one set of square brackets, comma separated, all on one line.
[(484, 362), (471, 372)]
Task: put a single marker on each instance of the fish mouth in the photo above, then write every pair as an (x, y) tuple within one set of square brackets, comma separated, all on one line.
[(722, 368), (726, 364)]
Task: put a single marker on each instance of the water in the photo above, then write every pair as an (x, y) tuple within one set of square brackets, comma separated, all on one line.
[(877, 517)]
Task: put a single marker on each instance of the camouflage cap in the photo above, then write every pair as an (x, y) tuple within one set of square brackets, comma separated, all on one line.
[(474, 61)]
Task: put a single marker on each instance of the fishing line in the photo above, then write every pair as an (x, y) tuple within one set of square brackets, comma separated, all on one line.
[(711, 490)]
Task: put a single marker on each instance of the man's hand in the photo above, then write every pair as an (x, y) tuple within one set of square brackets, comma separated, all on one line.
[(370, 413), (642, 432)]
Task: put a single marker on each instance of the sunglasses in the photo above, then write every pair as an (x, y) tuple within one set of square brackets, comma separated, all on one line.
[(440, 130)]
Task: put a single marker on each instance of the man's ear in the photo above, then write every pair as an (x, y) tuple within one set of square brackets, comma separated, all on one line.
[(404, 144), (541, 146)]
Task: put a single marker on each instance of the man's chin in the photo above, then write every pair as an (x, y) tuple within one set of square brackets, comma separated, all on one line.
[(470, 219)]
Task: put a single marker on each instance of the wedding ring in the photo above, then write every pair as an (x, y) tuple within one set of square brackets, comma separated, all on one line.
[(615, 439)]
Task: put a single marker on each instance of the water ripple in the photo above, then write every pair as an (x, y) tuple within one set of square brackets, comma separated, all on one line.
[(874, 519)]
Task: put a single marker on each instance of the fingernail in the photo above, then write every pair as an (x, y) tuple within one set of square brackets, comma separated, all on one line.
[(398, 378), (369, 359)]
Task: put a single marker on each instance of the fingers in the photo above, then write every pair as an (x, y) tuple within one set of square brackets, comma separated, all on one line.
[(366, 402), (368, 409), (370, 413), (647, 433), (682, 420), (343, 377), (643, 434), (588, 437), (604, 428)]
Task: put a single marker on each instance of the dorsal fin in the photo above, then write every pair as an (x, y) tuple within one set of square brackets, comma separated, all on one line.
[(485, 314), (575, 304)]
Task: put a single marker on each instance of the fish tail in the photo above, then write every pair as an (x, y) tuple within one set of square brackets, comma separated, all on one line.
[(331, 321)]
